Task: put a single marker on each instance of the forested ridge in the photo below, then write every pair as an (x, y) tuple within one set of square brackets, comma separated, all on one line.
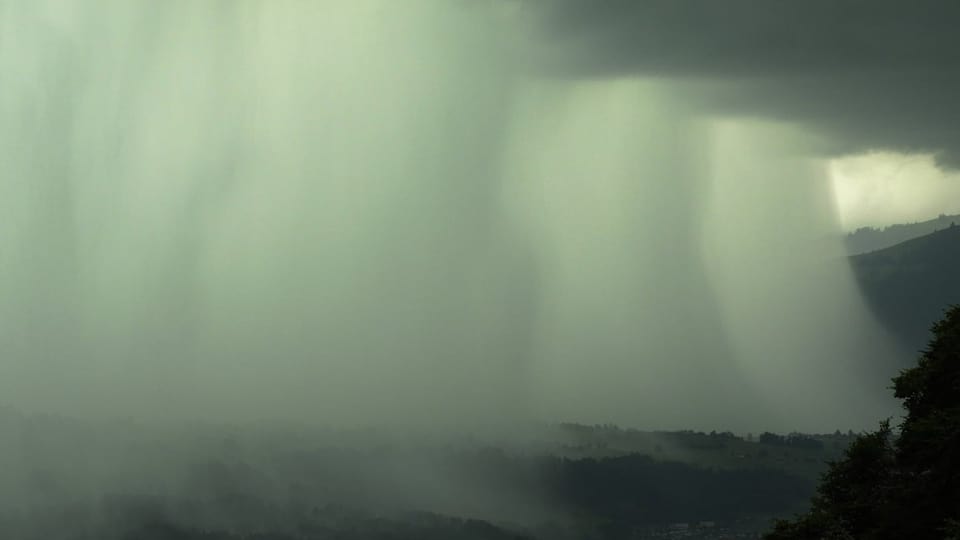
[(568, 481), (908, 285)]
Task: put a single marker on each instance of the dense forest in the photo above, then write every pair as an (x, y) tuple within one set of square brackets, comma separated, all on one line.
[(563, 481)]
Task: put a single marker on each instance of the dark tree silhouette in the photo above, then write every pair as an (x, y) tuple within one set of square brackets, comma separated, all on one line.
[(904, 486)]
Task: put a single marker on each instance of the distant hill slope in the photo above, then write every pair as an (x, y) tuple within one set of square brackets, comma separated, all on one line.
[(869, 239), (910, 285)]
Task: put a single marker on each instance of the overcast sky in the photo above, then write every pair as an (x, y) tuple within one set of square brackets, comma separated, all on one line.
[(881, 188), (866, 75)]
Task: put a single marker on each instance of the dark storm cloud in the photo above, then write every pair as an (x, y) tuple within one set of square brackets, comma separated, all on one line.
[(868, 73)]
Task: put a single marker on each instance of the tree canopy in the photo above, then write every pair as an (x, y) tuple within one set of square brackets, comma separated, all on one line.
[(899, 485)]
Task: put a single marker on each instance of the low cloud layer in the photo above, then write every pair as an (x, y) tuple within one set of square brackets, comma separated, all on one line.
[(878, 74)]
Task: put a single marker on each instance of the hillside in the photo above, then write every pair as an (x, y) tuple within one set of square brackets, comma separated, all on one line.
[(909, 285), (867, 239), (129, 481)]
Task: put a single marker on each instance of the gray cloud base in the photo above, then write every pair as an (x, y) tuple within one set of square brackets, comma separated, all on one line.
[(868, 74)]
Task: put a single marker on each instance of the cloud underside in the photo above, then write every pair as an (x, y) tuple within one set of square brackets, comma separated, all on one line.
[(869, 74)]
